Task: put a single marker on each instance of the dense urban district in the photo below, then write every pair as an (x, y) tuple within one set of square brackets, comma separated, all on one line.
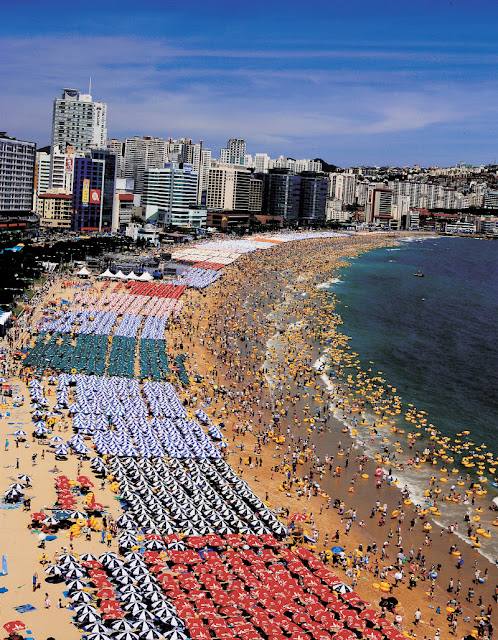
[(85, 182)]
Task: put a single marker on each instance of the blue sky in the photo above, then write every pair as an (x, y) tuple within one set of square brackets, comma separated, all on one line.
[(375, 82)]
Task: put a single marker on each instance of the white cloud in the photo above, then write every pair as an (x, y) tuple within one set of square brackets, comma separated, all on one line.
[(155, 87)]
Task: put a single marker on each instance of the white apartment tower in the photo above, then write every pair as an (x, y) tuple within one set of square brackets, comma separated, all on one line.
[(234, 152), (228, 188), (78, 121), (141, 154)]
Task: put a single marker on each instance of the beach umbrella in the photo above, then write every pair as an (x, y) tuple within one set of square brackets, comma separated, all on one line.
[(151, 634), (176, 634), (82, 596), (50, 521), (19, 432), (75, 585), (114, 614), (337, 549), (14, 626), (98, 636), (16, 487), (87, 616), (133, 608), (74, 572), (96, 627), (67, 557), (61, 450), (24, 478), (62, 515), (85, 557), (53, 570), (125, 635), (56, 439), (121, 625), (80, 515)]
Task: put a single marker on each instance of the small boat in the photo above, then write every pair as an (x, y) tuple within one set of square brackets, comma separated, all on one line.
[(419, 275)]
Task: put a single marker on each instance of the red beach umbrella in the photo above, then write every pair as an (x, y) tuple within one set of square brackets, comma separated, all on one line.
[(38, 516), (113, 614), (106, 593), (14, 626), (345, 634), (106, 605), (372, 634), (370, 614)]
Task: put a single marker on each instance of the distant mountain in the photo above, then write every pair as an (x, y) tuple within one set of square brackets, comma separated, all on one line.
[(328, 168)]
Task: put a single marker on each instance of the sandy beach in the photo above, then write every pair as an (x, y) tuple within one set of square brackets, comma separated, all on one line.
[(254, 336)]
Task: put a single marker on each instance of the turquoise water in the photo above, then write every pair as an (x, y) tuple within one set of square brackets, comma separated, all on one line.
[(434, 338)]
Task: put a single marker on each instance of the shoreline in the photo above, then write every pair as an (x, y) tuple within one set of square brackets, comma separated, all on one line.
[(241, 369)]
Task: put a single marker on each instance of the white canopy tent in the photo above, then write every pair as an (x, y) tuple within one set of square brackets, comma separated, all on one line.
[(120, 275), (107, 274), (145, 277), (132, 276), (83, 272)]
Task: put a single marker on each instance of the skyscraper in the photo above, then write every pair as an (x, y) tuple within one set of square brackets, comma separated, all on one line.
[(78, 121), (228, 188), (17, 176), (234, 152), (281, 193), (170, 193), (141, 154), (94, 186)]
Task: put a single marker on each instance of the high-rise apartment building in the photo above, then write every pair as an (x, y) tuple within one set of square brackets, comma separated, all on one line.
[(313, 196), (234, 152), (17, 176), (117, 148), (141, 154), (281, 194), (62, 169), (228, 188), (378, 207), (261, 162), (169, 194), (42, 172), (78, 121), (255, 195)]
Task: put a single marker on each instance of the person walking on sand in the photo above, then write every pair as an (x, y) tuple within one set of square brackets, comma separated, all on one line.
[(418, 615), (47, 601), (35, 581)]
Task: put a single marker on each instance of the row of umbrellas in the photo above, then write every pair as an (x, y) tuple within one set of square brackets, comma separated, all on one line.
[(195, 497), (111, 301), (153, 438), (65, 322), (129, 325), (153, 360), (198, 278), (162, 290), (117, 598), (154, 328), (131, 303)]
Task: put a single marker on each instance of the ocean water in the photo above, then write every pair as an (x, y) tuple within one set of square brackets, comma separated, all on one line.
[(434, 338)]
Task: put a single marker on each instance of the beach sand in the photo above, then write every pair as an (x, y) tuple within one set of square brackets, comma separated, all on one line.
[(259, 316)]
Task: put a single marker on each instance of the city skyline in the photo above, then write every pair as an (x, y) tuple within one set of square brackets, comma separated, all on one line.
[(383, 84)]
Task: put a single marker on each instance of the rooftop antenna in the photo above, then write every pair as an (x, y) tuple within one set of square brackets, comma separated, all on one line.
[(90, 86)]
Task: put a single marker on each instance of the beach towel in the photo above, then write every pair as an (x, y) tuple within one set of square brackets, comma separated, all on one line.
[(24, 608), (5, 570)]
